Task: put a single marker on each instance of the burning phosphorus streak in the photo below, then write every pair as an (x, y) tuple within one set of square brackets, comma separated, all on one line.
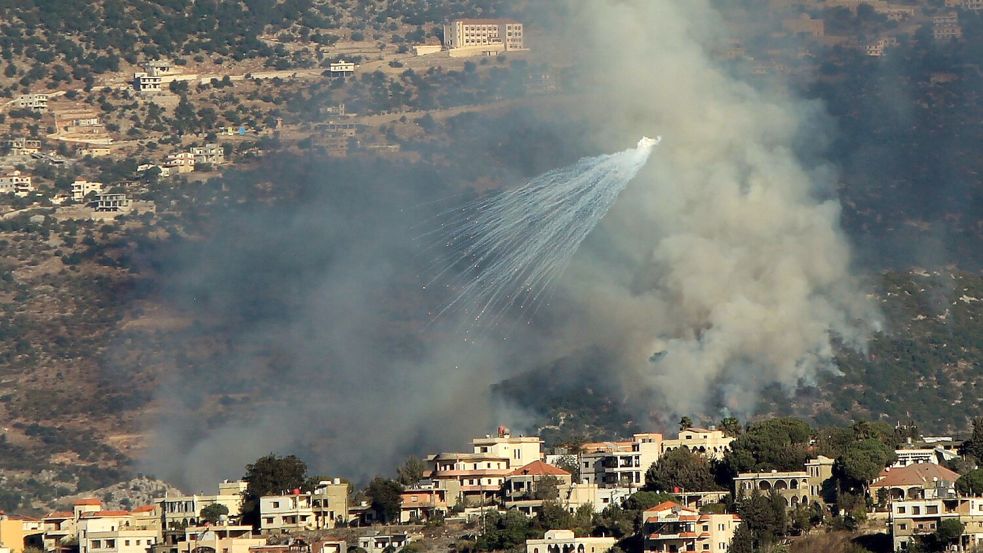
[(507, 248)]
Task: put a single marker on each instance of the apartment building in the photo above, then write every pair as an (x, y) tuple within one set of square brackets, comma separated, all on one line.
[(19, 531), (186, 510), (620, 464), (380, 543), (117, 531), (82, 188), (323, 508), (472, 37), (469, 478), (671, 527), (911, 519), (711, 442), (210, 153), (820, 470), (519, 450), (58, 526), (421, 503), (16, 183), (564, 541)]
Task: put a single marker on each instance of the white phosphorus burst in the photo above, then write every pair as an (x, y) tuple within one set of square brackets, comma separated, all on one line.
[(508, 247)]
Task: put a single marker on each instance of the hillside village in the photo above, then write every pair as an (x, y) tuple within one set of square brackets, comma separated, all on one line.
[(649, 493), (101, 154)]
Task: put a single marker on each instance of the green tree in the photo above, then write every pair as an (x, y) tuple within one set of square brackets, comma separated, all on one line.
[(411, 471), (213, 513), (764, 515), (547, 488), (270, 475), (974, 445), (505, 531), (861, 463), (947, 533), (971, 483), (743, 540), (730, 426), (685, 423), (680, 468), (569, 463), (385, 498), (553, 516)]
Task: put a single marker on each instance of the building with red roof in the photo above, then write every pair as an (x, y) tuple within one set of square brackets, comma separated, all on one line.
[(918, 481), (670, 526)]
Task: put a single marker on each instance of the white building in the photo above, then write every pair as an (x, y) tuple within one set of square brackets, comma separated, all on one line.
[(209, 153), (620, 464), (711, 442), (186, 510), (381, 542), (341, 68), (519, 450), (472, 37), (16, 183), (564, 541), (81, 188), (144, 82), (34, 102)]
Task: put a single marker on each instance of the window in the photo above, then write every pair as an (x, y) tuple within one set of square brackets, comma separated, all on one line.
[(916, 510), (138, 542), (902, 527), (126, 542), (276, 504), (901, 509), (932, 510), (96, 544), (110, 544)]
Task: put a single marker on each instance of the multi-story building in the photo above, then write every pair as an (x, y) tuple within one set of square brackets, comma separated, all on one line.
[(182, 162), (82, 188), (58, 526), (111, 203), (469, 478), (23, 146), (35, 102), (712, 443), (671, 527), (820, 470), (16, 183), (209, 153), (18, 531), (620, 464), (935, 456), (564, 541), (521, 486), (145, 82), (422, 502), (470, 37), (917, 481), (185, 511), (321, 509), (793, 486), (911, 519), (117, 532), (519, 450)]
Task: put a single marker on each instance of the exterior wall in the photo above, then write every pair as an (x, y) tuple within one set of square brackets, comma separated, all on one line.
[(119, 541), (519, 450), (81, 188), (712, 443), (185, 510), (211, 153), (672, 527), (910, 519), (283, 513), (621, 464), (563, 541), (14, 530), (481, 36), (820, 470), (792, 486), (469, 477)]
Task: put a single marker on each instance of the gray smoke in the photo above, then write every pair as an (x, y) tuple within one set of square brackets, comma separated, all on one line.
[(721, 270)]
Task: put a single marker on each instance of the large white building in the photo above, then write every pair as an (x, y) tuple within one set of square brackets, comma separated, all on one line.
[(519, 450), (81, 188), (473, 37), (16, 183), (185, 510), (620, 464), (710, 442)]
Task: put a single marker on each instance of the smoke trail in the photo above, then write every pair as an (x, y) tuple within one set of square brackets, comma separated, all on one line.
[(515, 243)]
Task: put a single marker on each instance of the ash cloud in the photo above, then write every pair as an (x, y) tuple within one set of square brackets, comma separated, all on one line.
[(725, 269), (721, 270)]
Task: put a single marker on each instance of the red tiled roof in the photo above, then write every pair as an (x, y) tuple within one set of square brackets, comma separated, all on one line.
[(24, 518), (87, 501), (145, 509), (60, 514), (918, 474), (539, 468)]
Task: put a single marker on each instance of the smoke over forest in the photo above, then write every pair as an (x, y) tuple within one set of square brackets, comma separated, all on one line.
[(722, 269)]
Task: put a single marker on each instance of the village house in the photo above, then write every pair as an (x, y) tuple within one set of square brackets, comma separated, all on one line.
[(82, 188), (93, 151), (212, 154), (225, 538), (145, 82), (519, 450), (183, 511), (181, 162), (422, 502), (78, 121), (914, 518), (37, 103), (564, 541), (712, 443), (341, 68), (323, 508), (380, 543), (23, 146), (619, 464), (476, 37), (795, 487), (19, 531), (16, 183), (111, 203), (936, 455), (469, 478), (917, 481), (522, 486), (671, 527), (117, 531)]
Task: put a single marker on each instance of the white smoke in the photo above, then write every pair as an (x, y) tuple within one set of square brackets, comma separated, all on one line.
[(729, 270)]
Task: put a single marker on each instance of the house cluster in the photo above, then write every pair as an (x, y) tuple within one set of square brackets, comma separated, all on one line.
[(186, 162)]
